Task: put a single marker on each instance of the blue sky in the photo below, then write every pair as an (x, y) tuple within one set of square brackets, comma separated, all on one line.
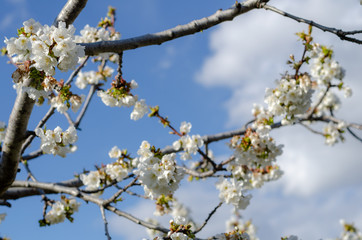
[(191, 80)]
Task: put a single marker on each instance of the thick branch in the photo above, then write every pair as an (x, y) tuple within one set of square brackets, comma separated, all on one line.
[(173, 33), (70, 11), (15, 136)]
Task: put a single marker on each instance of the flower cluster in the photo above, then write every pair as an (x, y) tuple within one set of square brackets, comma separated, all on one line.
[(45, 47), (60, 211), (333, 132), (109, 173), (56, 141), (290, 97), (157, 172), (180, 229), (91, 34), (239, 225), (189, 144), (324, 67), (263, 120), (232, 192), (120, 95), (92, 77), (233, 235)]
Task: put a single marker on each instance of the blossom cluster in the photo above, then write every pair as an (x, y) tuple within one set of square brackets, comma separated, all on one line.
[(119, 95), (255, 157), (233, 235), (233, 192), (333, 132), (93, 77), (61, 210), (37, 51), (157, 172), (56, 141), (109, 173), (324, 68), (236, 223), (180, 229), (189, 144), (91, 34), (290, 97), (45, 47)]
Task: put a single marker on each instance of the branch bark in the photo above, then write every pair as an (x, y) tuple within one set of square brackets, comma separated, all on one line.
[(15, 136), (70, 11), (173, 33)]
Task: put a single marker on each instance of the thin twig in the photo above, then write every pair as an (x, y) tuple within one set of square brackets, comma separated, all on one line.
[(105, 222), (311, 129), (85, 106), (353, 134), (117, 194), (76, 71), (208, 218), (340, 33)]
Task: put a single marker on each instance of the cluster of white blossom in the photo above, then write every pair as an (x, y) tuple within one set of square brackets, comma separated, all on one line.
[(45, 47), (333, 132), (255, 150), (115, 171), (263, 120), (56, 141), (234, 235), (179, 229), (91, 34), (60, 210), (157, 172), (239, 225), (233, 192), (75, 102), (118, 97), (324, 68), (290, 97), (189, 144), (92, 77), (178, 209)]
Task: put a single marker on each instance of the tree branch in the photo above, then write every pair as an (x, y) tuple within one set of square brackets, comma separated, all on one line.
[(173, 33), (70, 11), (14, 138), (340, 33)]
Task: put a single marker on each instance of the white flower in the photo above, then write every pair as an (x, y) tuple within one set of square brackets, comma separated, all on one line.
[(116, 171), (31, 26), (115, 152), (107, 99), (56, 214), (185, 127), (92, 181), (179, 236), (134, 84), (140, 109)]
